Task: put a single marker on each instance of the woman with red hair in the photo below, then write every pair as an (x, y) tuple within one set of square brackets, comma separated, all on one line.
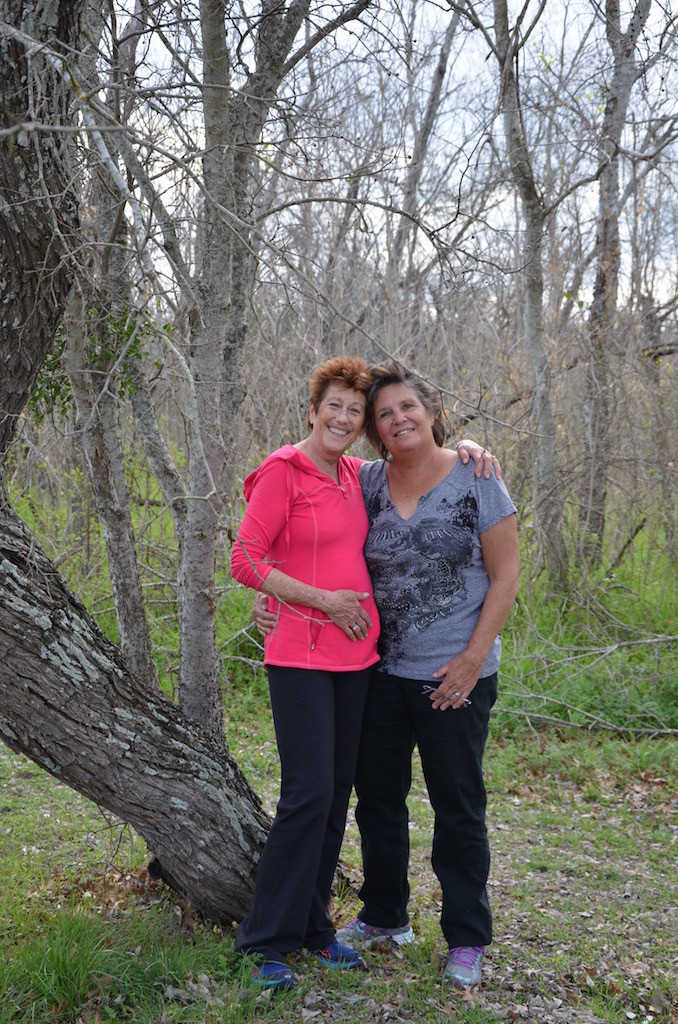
[(301, 543)]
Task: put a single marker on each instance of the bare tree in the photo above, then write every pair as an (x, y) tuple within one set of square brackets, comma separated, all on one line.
[(232, 91), (603, 316), (506, 46)]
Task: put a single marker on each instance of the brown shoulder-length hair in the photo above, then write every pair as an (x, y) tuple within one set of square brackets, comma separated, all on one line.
[(347, 371), (430, 398)]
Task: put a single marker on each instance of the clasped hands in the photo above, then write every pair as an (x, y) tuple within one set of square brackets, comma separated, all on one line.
[(342, 607), (457, 678)]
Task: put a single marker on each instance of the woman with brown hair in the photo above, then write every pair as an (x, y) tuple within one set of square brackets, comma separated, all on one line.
[(443, 556)]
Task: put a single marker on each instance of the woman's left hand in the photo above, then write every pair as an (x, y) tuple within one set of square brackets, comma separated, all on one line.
[(458, 679), (483, 458), (263, 619)]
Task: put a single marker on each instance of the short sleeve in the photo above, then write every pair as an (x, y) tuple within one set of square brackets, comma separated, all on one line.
[(494, 502)]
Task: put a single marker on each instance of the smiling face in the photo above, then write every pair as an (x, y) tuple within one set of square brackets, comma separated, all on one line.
[(403, 423), (338, 420)]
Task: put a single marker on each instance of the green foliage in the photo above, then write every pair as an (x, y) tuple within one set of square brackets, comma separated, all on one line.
[(119, 341), (52, 391), (602, 655)]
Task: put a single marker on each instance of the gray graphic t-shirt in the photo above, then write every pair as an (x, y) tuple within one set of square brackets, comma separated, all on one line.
[(428, 573)]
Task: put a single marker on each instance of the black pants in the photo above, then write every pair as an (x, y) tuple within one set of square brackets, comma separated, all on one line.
[(317, 717), (451, 744)]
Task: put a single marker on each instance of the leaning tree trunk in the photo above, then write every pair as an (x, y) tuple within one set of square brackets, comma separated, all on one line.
[(67, 698), (69, 702)]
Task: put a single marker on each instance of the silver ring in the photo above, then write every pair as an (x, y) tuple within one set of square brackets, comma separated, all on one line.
[(457, 694), (356, 629)]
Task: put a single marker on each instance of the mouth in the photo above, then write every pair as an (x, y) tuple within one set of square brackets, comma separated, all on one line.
[(405, 430), (338, 432)]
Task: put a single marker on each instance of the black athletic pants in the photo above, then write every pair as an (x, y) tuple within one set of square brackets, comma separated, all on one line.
[(317, 717)]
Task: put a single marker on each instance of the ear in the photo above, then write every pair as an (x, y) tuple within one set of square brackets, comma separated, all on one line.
[(311, 413)]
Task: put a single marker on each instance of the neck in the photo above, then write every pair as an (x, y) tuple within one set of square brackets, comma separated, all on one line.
[(412, 477), (420, 463), (326, 464), (417, 473)]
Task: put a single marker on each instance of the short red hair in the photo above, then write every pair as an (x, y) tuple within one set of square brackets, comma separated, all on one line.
[(346, 371)]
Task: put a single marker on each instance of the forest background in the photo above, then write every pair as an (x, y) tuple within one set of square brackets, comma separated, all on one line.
[(203, 202)]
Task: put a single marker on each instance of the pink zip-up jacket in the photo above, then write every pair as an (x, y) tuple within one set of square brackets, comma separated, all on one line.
[(300, 521)]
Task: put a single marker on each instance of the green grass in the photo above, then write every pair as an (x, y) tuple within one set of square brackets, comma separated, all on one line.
[(584, 887)]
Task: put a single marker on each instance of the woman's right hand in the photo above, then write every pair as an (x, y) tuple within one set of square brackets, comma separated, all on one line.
[(344, 609)]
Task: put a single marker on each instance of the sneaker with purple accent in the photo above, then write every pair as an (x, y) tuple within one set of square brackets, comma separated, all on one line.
[(357, 933), (464, 966)]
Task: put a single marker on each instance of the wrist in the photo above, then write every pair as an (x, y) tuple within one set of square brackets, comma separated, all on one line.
[(475, 657)]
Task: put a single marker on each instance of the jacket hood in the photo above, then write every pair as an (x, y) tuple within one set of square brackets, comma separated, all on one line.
[(288, 453)]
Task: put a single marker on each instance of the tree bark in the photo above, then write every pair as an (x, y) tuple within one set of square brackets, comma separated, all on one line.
[(68, 701), (39, 209)]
